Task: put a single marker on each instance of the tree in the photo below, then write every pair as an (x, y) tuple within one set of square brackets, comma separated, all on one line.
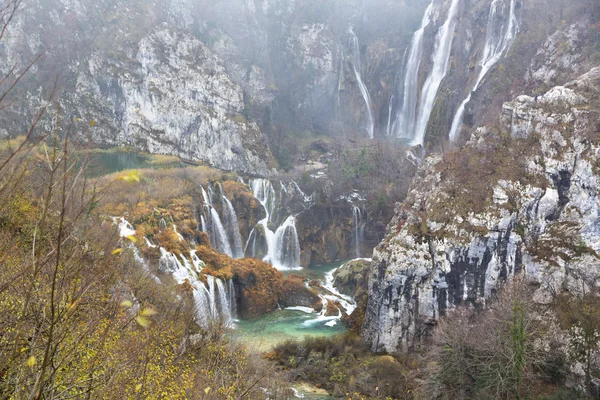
[(579, 315), (488, 354)]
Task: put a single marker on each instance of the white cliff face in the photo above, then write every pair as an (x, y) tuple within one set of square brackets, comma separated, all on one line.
[(175, 97), (539, 217), (559, 56)]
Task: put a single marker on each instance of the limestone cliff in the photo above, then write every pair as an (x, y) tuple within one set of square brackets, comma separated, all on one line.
[(521, 197)]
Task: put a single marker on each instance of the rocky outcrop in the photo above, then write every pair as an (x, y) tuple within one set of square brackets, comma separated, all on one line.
[(352, 279), (325, 234), (259, 288), (520, 198), (173, 97)]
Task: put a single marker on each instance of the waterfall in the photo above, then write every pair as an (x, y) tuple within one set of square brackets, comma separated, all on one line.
[(283, 246), (201, 304), (286, 249), (211, 301), (357, 66), (218, 236), (441, 56), (404, 125), (358, 229), (265, 193), (414, 116), (232, 300), (389, 121), (224, 234), (224, 303), (233, 228), (212, 298), (500, 34)]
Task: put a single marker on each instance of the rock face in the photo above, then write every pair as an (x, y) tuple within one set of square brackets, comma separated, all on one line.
[(520, 198), (175, 97), (202, 79), (352, 279)]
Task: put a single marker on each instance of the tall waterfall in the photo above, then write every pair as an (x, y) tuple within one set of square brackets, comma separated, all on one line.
[(441, 56), (357, 66), (414, 116), (500, 34), (282, 244), (404, 125), (358, 229), (224, 233)]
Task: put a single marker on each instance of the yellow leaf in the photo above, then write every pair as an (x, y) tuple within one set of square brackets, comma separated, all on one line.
[(143, 321), (31, 361), (138, 387), (207, 390), (148, 312), (132, 238), (117, 251), (92, 123), (126, 304)]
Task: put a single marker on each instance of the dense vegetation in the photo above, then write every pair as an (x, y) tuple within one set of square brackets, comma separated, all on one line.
[(516, 349), (80, 318)]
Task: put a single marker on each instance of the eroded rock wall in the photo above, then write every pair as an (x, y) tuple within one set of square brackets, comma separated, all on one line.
[(520, 197)]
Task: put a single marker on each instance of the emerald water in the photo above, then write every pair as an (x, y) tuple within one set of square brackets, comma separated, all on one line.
[(267, 331), (105, 163)]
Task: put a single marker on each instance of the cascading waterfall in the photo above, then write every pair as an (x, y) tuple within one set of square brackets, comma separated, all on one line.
[(224, 234), (358, 229), (283, 246), (265, 193), (233, 228), (212, 298), (213, 302), (416, 110), (286, 249), (500, 35), (224, 302), (219, 239), (357, 66)]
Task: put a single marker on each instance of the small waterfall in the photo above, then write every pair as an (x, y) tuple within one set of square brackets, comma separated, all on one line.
[(201, 304), (357, 66), (265, 193), (286, 247), (224, 234), (500, 34), (212, 298), (282, 245), (224, 303), (233, 228), (218, 236), (358, 229), (232, 300)]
